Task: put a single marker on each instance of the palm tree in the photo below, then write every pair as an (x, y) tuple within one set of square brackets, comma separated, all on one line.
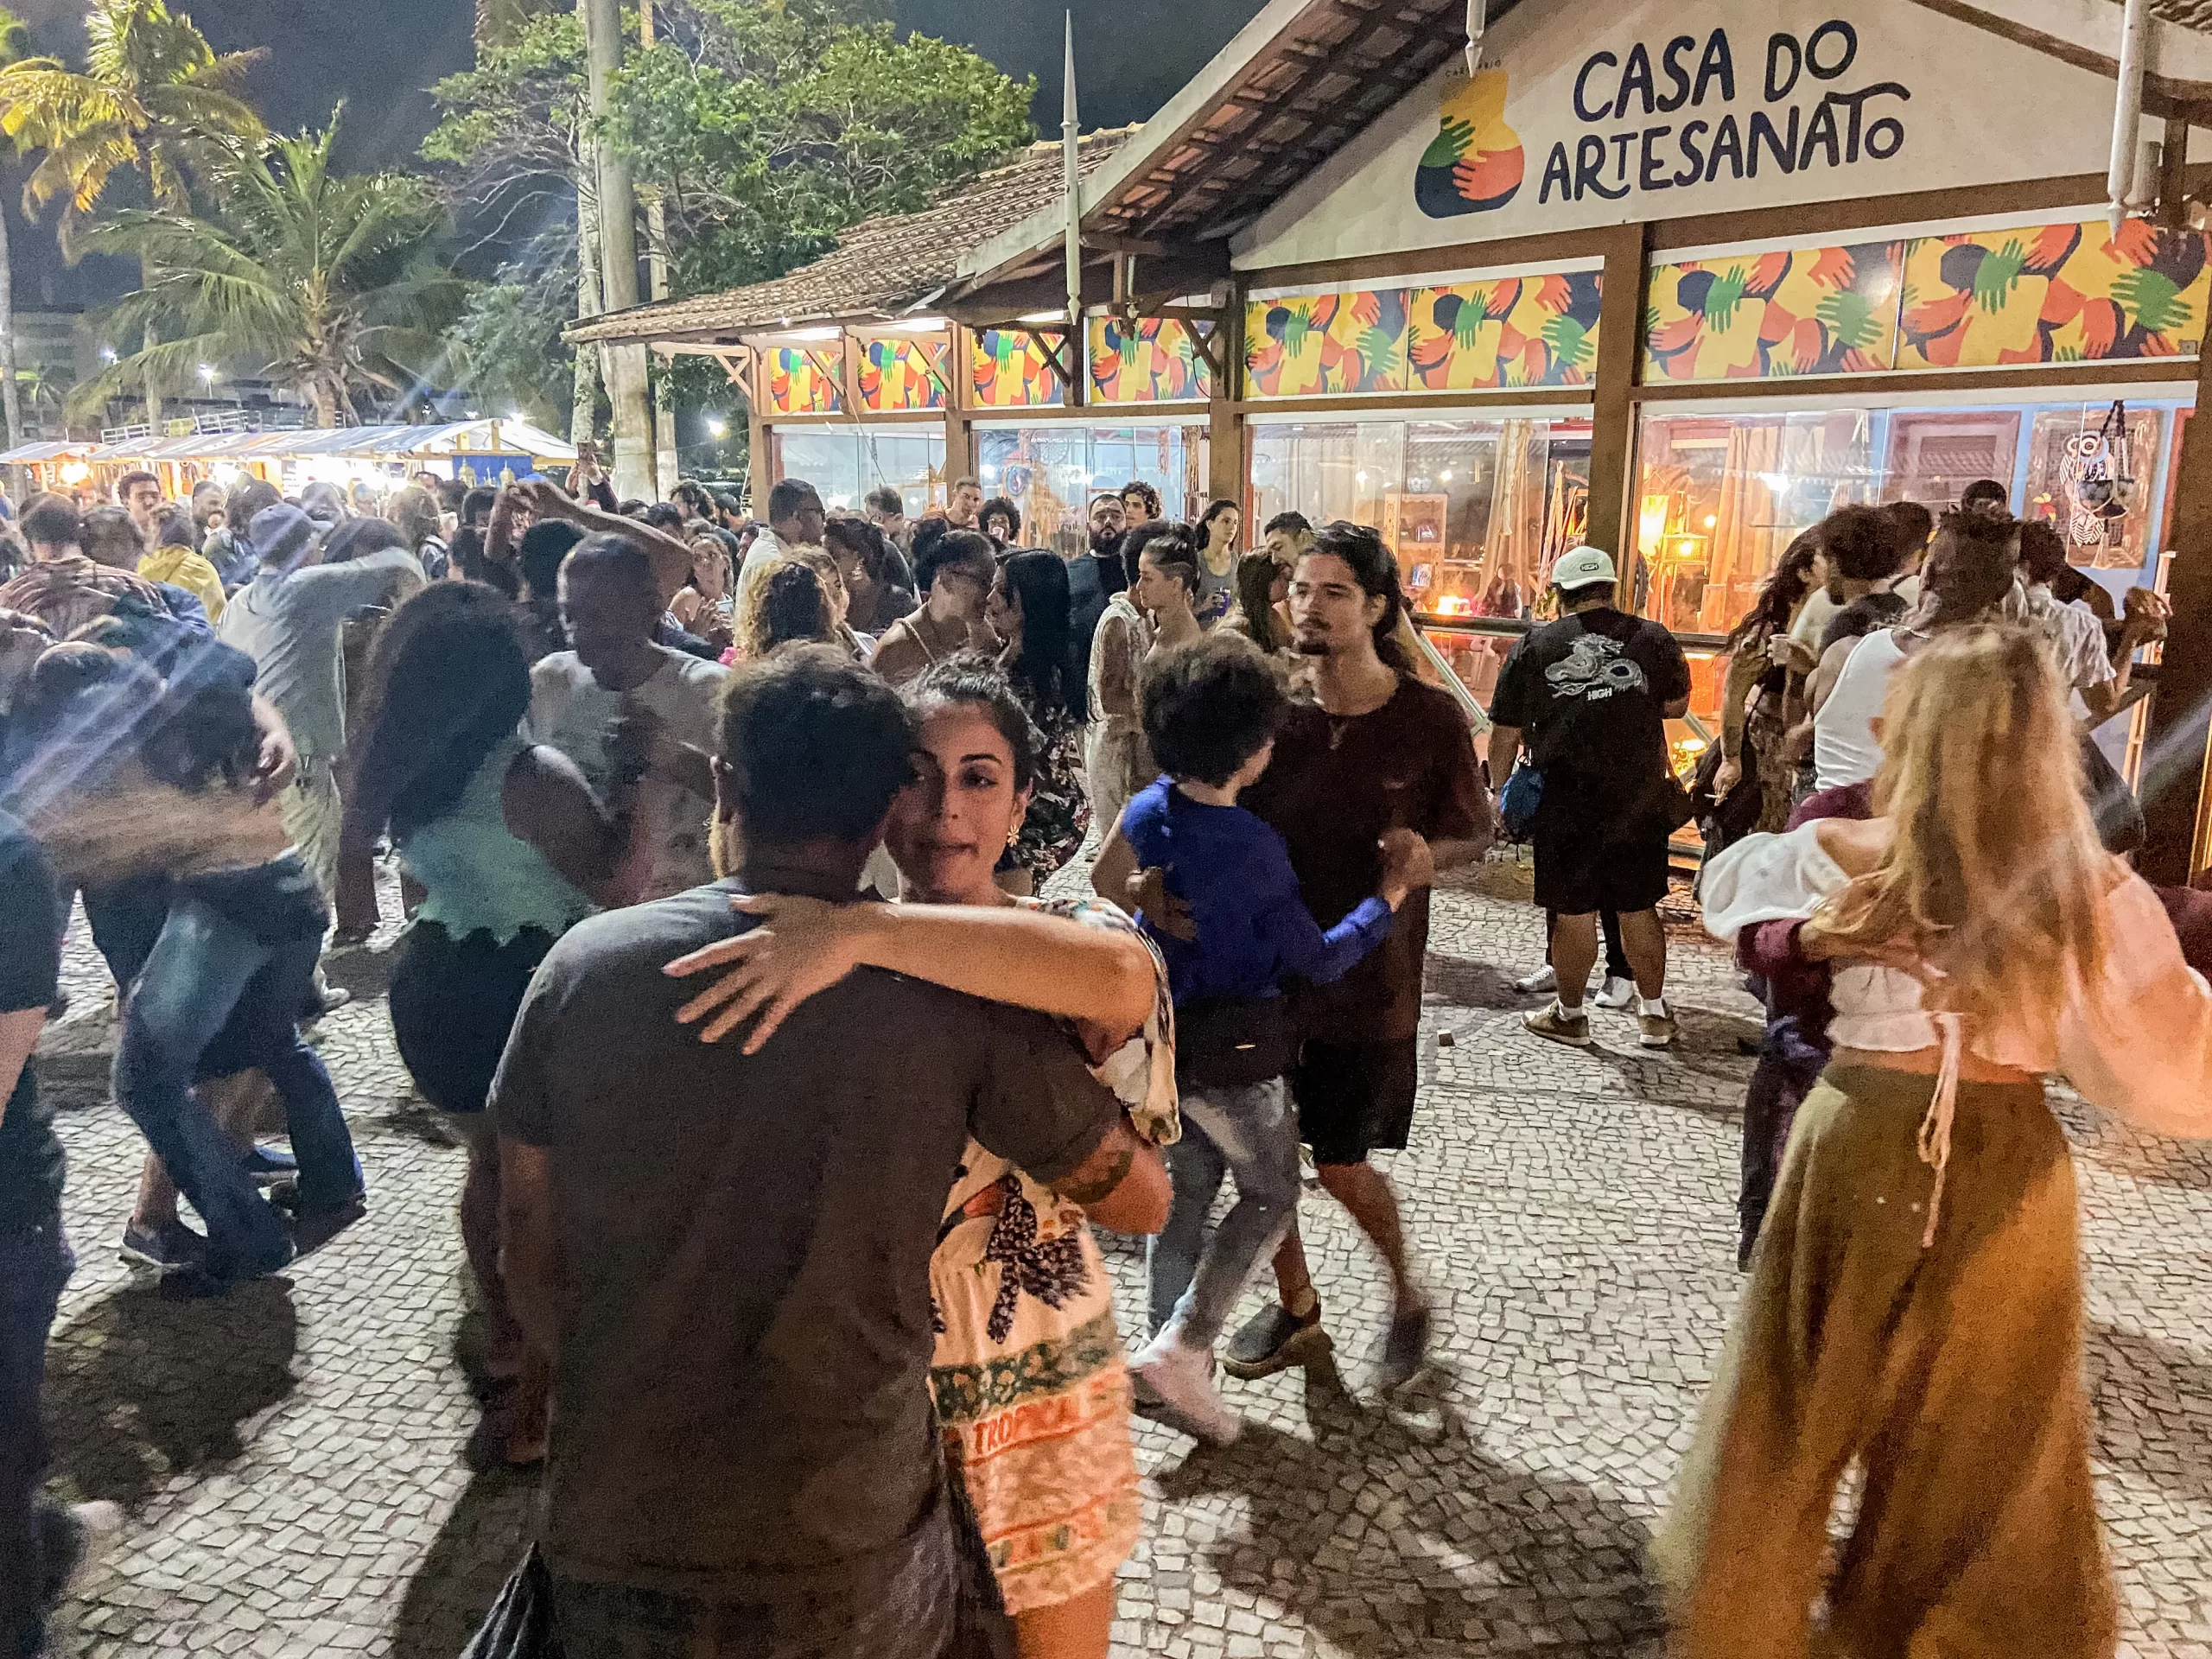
[(153, 98), (326, 281), (15, 47)]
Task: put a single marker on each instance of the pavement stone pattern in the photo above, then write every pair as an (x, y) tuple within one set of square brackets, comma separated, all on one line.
[(294, 1460)]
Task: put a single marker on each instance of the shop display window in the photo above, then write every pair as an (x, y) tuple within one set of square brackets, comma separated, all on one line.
[(1475, 510), (1051, 470), (844, 463), (1721, 495)]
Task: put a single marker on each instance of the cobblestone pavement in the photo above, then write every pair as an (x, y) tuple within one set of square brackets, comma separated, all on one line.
[(294, 1459)]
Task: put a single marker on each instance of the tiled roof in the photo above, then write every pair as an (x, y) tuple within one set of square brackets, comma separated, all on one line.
[(880, 267)]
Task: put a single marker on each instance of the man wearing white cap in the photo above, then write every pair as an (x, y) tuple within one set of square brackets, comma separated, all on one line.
[(1590, 695)]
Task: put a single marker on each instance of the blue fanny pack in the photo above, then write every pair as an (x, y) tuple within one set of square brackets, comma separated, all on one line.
[(1518, 801)]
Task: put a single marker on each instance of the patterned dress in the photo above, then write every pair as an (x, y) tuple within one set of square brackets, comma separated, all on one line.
[(1031, 1387), (1059, 805)]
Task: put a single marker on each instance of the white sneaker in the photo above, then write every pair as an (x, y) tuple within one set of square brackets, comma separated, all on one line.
[(1617, 995), (1540, 982), (1183, 1378)]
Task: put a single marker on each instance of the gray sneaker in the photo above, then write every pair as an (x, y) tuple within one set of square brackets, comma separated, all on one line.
[(1274, 1340), (1405, 1349)]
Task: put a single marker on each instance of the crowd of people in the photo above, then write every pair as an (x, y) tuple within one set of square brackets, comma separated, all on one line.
[(813, 1335)]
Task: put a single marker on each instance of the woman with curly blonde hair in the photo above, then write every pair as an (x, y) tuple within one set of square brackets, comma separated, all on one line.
[(1916, 1299)]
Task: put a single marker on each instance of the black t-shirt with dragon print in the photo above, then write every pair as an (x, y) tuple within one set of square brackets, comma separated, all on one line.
[(1587, 693)]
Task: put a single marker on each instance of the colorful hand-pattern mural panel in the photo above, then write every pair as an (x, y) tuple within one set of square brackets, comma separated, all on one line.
[(1154, 359), (1789, 311), (1323, 343), (900, 375), (2052, 294), (1474, 164), (1514, 331), (1011, 370), (803, 381)]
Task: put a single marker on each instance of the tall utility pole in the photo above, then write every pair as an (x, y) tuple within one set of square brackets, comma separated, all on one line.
[(665, 470), (624, 365), (1079, 356)]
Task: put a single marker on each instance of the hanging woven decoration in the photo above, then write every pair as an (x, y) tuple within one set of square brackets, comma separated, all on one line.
[(2098, 477)]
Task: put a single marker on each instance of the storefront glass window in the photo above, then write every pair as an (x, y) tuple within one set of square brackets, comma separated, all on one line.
[(1721, 495), (1050, 471), (844, 463), (1475, 510)]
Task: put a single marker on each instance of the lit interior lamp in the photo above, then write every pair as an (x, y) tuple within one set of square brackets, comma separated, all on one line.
[(1651, 522)]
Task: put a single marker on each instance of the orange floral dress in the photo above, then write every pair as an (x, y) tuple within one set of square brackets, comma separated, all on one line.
[(1032, 1391)]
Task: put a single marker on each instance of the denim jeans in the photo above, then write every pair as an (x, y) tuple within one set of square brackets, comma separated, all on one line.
[(35, 1264), (202, 966), (1251, 1132)]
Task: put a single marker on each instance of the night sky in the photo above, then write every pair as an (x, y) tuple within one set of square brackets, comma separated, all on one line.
[(380, 56)]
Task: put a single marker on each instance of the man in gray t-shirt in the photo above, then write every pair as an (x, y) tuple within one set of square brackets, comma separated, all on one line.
[(289, 620), (727, 1255)]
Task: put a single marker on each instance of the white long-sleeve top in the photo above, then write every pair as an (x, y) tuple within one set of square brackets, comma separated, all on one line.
[(2135, 1041)]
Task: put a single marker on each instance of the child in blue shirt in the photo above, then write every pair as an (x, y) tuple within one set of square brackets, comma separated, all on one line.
[(1209, 712)]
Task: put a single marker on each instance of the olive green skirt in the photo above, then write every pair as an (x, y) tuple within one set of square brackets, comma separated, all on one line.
[(1951, 1373)]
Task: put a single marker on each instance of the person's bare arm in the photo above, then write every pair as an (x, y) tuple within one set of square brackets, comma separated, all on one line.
[(671, 555), (530, 1257), (1117, 670), (18, 1037), (1504, 749), (1100, 976), (597, 847), (1123, 1184), (279, 758), (1829, 671), (1115, 864)]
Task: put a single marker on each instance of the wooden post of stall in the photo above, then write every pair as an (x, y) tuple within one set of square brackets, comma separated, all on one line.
[(2173, 785), (1227, 475), (1612, 415), (959, 421)]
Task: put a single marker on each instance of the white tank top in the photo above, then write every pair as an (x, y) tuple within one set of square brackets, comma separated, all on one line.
[(1844, 750)]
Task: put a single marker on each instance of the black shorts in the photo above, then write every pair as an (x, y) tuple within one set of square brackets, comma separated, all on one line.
[(1586, 865), (453, 1003), (1355, 1097)]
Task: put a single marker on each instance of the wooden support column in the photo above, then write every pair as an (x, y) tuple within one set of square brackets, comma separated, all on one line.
[(1228, 477), (2173, 785), (1612, 437), (959, 420)]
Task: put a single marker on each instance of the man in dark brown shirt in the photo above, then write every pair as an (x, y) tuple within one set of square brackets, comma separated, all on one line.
[(727, 1253), (1378, 755)]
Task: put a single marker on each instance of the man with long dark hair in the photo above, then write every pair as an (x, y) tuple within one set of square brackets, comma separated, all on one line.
[(1379, 765)]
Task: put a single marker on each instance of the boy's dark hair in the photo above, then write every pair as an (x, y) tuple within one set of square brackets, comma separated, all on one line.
[(1986, 489), (815, 748), (1294, 523), (478, 504), (1144, 493), (1970, 565), (1209, 707), (793, 607), (1861, 544), (662, 515)]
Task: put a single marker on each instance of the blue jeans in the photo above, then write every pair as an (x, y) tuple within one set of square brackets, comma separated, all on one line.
[(202, 966), (1248, 1132), (35, 1264)]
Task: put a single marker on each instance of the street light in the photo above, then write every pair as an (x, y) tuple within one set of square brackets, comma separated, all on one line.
[(207, 375), (716, 426), (107, 354)]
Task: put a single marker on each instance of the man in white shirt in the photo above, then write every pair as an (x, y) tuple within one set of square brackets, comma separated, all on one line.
[(610, 600), (290, 619), (795, 518), (2074, 633)]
